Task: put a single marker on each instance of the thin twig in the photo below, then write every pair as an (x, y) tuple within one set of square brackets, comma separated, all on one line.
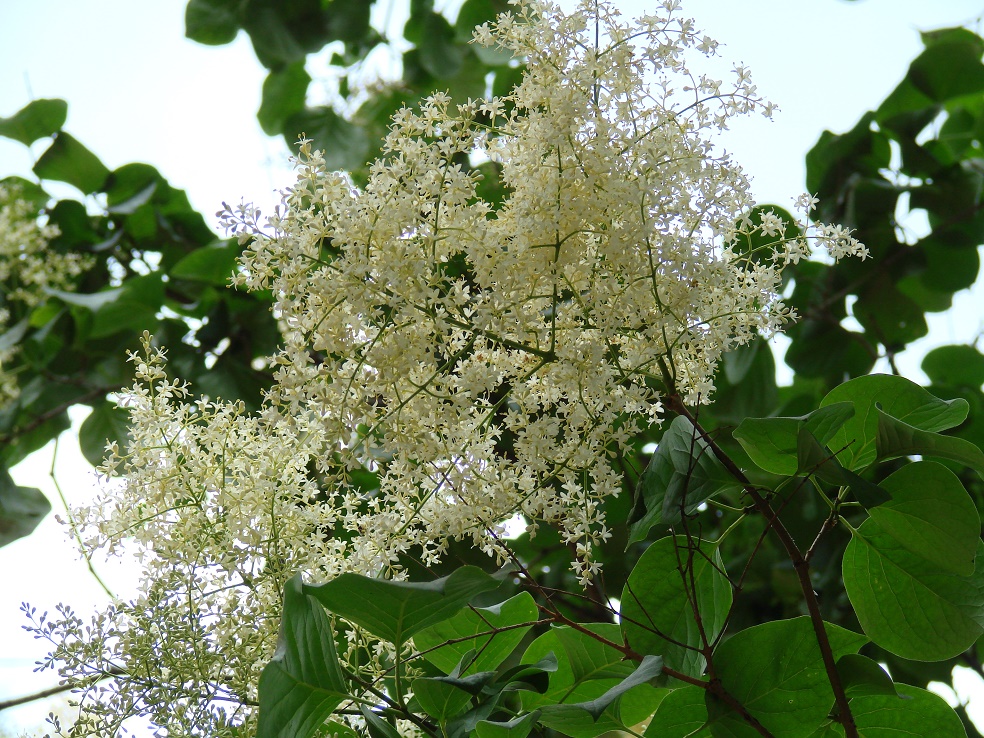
[(50, 692)]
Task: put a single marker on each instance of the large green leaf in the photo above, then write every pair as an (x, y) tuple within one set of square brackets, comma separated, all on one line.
[(776, 671), (908, 605), (284, 92), (920, 715), (950, 67), (348, 20), (21, 508), (439, 53), (37, 119), (896, 438), (474, 13), (344, 144), (681, 714), (376, 726), (574, 716), (441, 698), (670, 583), (682, 474), (889, 316), (135, 309), (586, 670), (955, 366), (772, 442), (303, 683), (827, 350), (863, 677), (519, 727), (67, 160), (213, 22), (814, 459), (932, 516), (896, 396), (476, 629), (213, 264), (94, 301), (395, 611)]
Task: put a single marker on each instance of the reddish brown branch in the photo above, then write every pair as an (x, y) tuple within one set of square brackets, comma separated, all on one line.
[(800, 564)]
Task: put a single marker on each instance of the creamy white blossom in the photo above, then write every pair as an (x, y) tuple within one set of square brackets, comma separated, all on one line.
[(28, 268), (473, 359)]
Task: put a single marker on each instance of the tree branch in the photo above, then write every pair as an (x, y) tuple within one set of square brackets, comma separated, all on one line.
[(800, 564)]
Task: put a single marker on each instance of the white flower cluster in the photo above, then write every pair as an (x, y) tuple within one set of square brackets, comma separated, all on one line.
[(490, 358), (448, 362), (27, 268), (220, 508)]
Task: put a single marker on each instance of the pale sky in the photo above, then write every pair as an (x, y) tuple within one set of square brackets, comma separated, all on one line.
[(138, 91)]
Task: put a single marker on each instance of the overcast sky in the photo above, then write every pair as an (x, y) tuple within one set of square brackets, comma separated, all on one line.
[(138, 91)]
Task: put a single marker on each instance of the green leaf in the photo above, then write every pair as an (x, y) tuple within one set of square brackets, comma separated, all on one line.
[(772, 443), (814, 459), (303, 683), (213, 22), (395, 611), (465, 627), (67, 160), (932, 516), (106, 422), (667, 584), (284, 92), (586, 670), (955, 366), (127, 187), (905, 603), (836, 159), (377, 727), (827, 350), (93, 301), (13, 336), (864, 677), (433, 36), (898, 397), (474, 13), (334, 729), (572, 715), (21, 508), (921, 715), (213, 264), (789, 693), (748, 388), (135, 309), (896, 438), (348, 20), (682, 474), (950, 67), (681, 714), (519, 727), (130, 205), (345, 145), (439, 698), (37, 119), (829, 729), (888, 315)]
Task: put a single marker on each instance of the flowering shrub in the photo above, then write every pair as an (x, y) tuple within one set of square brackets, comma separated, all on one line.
[(452, 360)]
